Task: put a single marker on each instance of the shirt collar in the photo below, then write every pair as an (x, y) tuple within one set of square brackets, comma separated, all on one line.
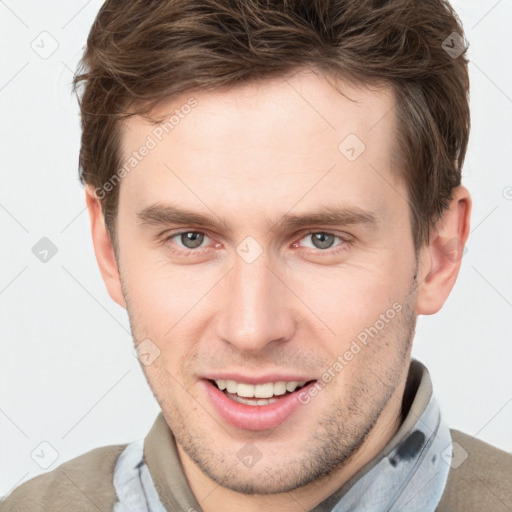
[(411, 471)]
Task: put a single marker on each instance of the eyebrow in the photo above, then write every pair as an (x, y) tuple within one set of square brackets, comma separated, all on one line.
[(166, 214)]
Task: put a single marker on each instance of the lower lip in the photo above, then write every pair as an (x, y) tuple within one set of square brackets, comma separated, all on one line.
[(254, 417)]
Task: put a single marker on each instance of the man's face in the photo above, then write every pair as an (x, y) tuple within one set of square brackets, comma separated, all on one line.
[(260, 299)]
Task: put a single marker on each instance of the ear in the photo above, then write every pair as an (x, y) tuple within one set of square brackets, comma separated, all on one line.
[(440, 260), (103, 247)]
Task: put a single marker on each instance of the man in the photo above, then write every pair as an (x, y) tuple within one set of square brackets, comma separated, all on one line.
[(275, 194)]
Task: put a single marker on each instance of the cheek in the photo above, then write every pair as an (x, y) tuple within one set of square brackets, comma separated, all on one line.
[(160, 290), (166, 303), (350, 298)]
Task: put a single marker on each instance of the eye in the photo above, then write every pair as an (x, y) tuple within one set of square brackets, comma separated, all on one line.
[(323, 240), (189, 240)]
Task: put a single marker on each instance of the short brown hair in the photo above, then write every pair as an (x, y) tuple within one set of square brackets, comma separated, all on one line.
[(140, 53)]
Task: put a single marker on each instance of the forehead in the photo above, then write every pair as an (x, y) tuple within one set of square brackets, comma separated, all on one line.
[(265, 141)]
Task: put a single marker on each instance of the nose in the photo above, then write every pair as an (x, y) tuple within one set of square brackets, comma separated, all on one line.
[(255, 311)]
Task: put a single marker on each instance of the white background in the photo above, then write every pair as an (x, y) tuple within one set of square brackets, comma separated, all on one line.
[(68, 375)]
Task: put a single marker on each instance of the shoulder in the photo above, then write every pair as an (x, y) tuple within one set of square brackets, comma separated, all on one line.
[(83, 483), (480, 476)]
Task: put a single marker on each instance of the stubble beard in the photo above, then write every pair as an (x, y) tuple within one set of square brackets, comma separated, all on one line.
[(338, 436)]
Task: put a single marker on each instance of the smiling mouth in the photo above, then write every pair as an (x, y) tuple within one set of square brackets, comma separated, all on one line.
[(258, 394)]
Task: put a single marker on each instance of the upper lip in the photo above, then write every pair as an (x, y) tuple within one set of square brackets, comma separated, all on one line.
[(257, 379)]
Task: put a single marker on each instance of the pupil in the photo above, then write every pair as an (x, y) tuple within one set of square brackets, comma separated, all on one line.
[(320, 238), (192, 240)]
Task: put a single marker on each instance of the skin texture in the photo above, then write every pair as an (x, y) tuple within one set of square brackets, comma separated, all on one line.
[(249, 156)]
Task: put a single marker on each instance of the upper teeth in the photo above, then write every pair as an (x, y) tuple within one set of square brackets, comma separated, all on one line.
[(259, 390)]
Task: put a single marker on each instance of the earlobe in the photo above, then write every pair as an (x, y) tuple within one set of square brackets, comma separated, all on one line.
[(103, 248), (440, 261)]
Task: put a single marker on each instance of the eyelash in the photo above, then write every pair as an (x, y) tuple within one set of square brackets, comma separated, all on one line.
[(346, 243)]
